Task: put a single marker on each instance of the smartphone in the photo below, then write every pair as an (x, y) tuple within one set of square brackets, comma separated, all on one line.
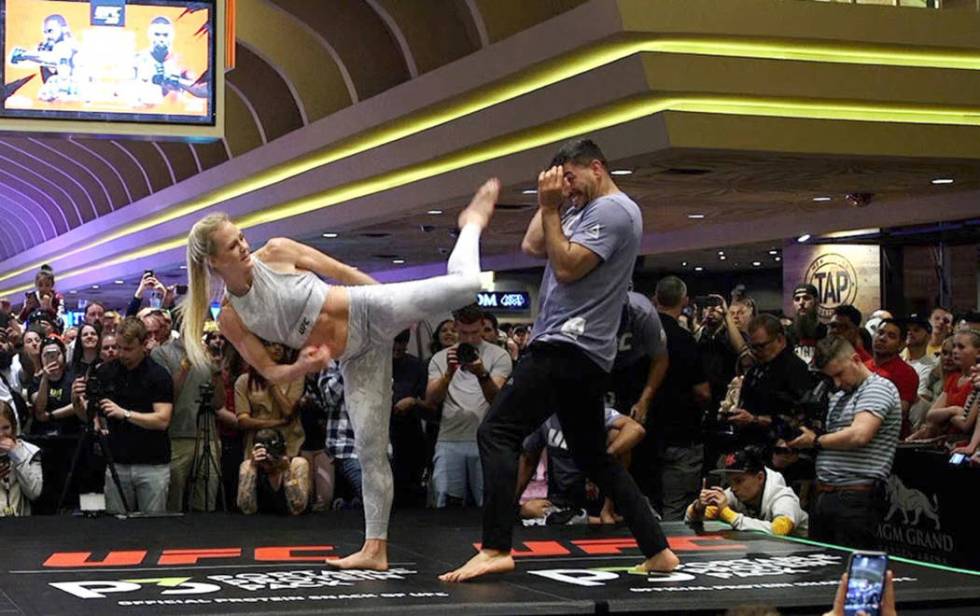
[(147, 273), (865, 583), (180, 289), (957, 458)]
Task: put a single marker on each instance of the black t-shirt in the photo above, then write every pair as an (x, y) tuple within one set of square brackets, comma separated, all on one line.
[(137, 390), (269, 499), (773, 388), (719, 360), (59, 395), (674, 411)]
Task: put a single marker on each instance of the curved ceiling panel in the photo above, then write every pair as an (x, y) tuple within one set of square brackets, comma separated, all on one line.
[(36, 209), (266, 92), (86, 169), (211, 154), (23, 154), (434, 31), (502, 20), (150, 161), (128, 171), (355, 32), (295, 52), (180, 158), (243, 128)]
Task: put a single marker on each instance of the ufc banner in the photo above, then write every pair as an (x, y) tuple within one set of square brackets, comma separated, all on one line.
[(928, 516)]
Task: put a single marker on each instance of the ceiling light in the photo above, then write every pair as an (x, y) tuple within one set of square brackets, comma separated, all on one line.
[(330, 235), (803, 238), (529, 191), (434, 212), (398, 261), (183, 267), (621, 172), (118, 281), (695, 216), (943, 181), (779, 258), (684, 264), (722, 257), (699, 269), (95, 286), (756, 263), (73, 291), (855, 233), (721, 252), (774, 252), (819, 199)]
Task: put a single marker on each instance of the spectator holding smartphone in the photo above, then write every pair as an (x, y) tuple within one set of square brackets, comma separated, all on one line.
[(44, 298), (20, 468)]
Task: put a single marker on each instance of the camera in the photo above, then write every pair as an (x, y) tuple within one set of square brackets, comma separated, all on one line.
[(272, 441), (96, 389), (467, 353), (809, 411)]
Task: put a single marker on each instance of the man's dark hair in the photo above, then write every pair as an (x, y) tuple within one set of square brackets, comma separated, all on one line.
[(489, 316), (403, 336), (161, 20), (579, 152), (670, 292), (851, 313), (767, 322), (521, 329), (468, 314), (829, 349), (95, 303), (902, 328)]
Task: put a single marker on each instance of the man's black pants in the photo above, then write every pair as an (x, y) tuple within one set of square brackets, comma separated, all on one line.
[(555, 378), (848, 518)]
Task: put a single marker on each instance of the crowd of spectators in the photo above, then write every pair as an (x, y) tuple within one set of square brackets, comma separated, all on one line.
[(780, 423)]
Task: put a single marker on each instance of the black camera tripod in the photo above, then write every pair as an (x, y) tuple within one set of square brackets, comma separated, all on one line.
[(89, 437), (203, 461)]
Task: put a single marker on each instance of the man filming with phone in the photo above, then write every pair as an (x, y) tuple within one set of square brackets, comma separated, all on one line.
[(464, 379), (132, 399)]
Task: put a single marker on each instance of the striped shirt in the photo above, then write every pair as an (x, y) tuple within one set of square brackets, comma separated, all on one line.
[(873, 462)]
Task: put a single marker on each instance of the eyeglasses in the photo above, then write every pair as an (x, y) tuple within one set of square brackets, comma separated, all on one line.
[(758, 346)]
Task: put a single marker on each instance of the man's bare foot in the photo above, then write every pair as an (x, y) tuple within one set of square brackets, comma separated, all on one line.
[(486, 561), (662, 562), (373, 556), (480, 209)]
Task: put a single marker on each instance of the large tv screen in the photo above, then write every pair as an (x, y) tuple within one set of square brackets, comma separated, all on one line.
[(140, 61)]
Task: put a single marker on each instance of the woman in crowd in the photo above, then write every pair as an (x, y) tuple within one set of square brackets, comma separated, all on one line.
[(20, 468), (933, 386), (260, 404), (27, 364), (276, 294), (444, 336), (87, 349), (950, 413)]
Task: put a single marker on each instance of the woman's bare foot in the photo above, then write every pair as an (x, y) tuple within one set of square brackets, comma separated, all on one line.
[(486, 561), (664, 561), (480, 209), (373, 555)]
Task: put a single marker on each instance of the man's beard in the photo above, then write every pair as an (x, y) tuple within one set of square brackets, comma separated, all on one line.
[(6, 358), (807, 325)]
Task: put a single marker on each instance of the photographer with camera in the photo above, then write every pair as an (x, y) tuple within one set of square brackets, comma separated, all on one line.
[(757, 498), (854, 457), (464, 379), (21, 478), (132, 399), (270, 481)]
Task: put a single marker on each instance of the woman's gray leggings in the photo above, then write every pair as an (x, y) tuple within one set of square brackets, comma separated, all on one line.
[(377, 314)]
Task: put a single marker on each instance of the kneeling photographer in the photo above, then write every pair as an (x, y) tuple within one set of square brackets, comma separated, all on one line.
[(269, 482), (131, 398)]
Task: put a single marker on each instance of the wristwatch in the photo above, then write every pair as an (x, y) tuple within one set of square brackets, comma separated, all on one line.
[(483, 377), (127, 415), (816, 443)]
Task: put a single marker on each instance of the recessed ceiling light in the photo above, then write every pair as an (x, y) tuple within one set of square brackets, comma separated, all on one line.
[(943, 181), (398, 261), (695, 216), (779, 258), (721, 252), (756, 263), (434, 212), (819, 199), (774, 252), (73, 291), (118, 281), (699, 269), (330, 235), (183, 267), (95, 286), (621, 172), (722, 257), (683, 263), (529, 191), (803, 238)]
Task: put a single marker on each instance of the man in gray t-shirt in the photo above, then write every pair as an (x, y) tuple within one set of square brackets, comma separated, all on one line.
[(590, 232), (465, 390), (641, 357)]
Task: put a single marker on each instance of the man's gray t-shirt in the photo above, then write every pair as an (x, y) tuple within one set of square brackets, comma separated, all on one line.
[(183, 423), (587, 312), (643, 335), (873, 462), (465, 405)]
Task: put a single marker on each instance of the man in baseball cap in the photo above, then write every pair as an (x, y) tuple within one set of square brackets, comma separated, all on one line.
[(757, 499), (807, 329)]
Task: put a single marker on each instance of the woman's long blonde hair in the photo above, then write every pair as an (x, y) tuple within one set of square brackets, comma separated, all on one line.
[(194, 308)]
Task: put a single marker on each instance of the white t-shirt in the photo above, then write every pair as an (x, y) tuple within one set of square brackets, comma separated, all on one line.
[(465, 405)]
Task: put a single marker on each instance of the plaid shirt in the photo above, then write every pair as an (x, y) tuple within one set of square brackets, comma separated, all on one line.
[(340, 432)]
